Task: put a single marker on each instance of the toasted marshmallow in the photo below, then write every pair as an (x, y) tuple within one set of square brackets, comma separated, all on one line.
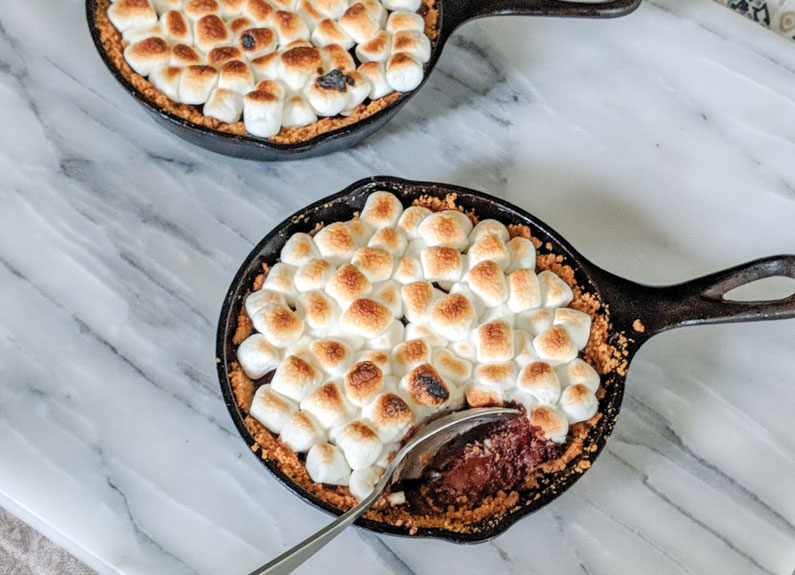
[(376, 76), (162, 6), (523, 254), (259, 299), (376, 264), (231, 8), (552, 422), (447, 228), (452, 316), (335, 242), (389, 416), (257, 356), (128, 14), (267, 67), (320, 312), (451, 367), (539, 380), (358, 90), (209, 32), (408, 270), (515, 395), (196, 84), (258, 11), (238, 26), (403, 72), (331, 8), (480, 396), (147, 55), (262, 113), (463, 289), (489, 227), (488, 282), (325, 97), (271, 409), (465, 348), (578, 372), (327, 405), (554, 291), (363, 382), (555, 346), (576, 323), (325, 463), (360, 231), (408, 355), (333, 356), (388, 294), (490, 375), (382, 209), (525, 352), (425, 386), (389, 239), (298, 250), (299, 66), (175, 28), (402, 5), (166, 79), (280, 280), (394, 333), (494, 342), (307, 10), (359, 23), (182, 55), (524, 291), (335, 57), (235, 75), (286, 5), (301, 431), (295, 378), (365, 318), (442, 264), (411, 21), (278, 324), (328, 32), (378, 357), (347, 284), (410, 220), (535, 321), (416, 44), (363, 481), (489, 247), (376, 49), (313, 275), (196, 9), (289, 27), (579, 403), (417, 300), (360, 444), (255, 42), (218, 56), (499, 313)]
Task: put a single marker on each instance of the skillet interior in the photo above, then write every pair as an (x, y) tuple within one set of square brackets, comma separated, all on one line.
[(342, 206)]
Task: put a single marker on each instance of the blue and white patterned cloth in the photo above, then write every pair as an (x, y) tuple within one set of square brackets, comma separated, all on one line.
[(778, 15)]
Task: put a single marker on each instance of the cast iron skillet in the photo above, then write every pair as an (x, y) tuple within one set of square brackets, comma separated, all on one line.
[(695, 302), (452, 13)]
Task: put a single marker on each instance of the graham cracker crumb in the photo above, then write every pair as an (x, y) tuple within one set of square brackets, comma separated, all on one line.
[(638, 326), (448, 202)]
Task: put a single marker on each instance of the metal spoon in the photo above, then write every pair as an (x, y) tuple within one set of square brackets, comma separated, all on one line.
[(408, 463)]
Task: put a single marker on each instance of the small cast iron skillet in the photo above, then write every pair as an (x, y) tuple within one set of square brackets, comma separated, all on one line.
[(452, 13), (696, 302)]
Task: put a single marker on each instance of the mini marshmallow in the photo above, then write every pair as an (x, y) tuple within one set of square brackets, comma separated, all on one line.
[(389, 239), (576, 323), (378, 357), (307, 10), (447, 228), (409, 355), (313, 275), (239, 25), (554, 346), (479, 396), (425, 386), (209, 32), (279, 324), (327, 405), (360, 444), (417, 300), (488, 282), (388, 295), (255, 42), (578, 403), (554, 291), (382, 209), (451, 367), (388, 453), (329, 32), (260, 298), (128, 14), (452, 316), (135, 35), (300, 347), (398, 21), (286, 5), (335, 57), (257, 356), (499, 313), (410, 220), (273, 88), (363, 382), (358, 90), (147, 55), (489, 247), (231, 8), (166, 79), (360, 231), (363, 481), (525, 352), (464, 348), (463, 289), (489, 227), (494, 342), (359, 23), (416, 44), (527, 401), (196, 84), (218, 56), (535, 321), (162, 6), (319, 311), (182, 55), (175, 28), (262, 113), (376, 10), (390, 417), (425, 333), (402, 5), (295, 378), (325, 99), (403, 72), (235, 75), (376, 49), (539, 380), (578, 372), (258, 11), (297, 112), (298, 250), (335, 357), (196, 9), (348, 284), (301, 431), (331, 8), (271, 409), (524, 290), (393, 334), (523, 254), (441, 264), (280, 280), (408, 270), (335, 243), (552, 422), (289, 27), (325, 463), (267, 67), (376, 264), (354, 342), (490, 375), (376, 75), (365, 318), (300, 66)]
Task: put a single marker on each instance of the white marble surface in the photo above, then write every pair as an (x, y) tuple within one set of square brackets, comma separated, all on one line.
[(662, 145)]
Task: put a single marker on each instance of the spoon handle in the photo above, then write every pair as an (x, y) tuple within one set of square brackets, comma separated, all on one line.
[(292, 558)]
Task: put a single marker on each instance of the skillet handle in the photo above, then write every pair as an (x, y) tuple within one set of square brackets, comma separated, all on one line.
[(700, 301)]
